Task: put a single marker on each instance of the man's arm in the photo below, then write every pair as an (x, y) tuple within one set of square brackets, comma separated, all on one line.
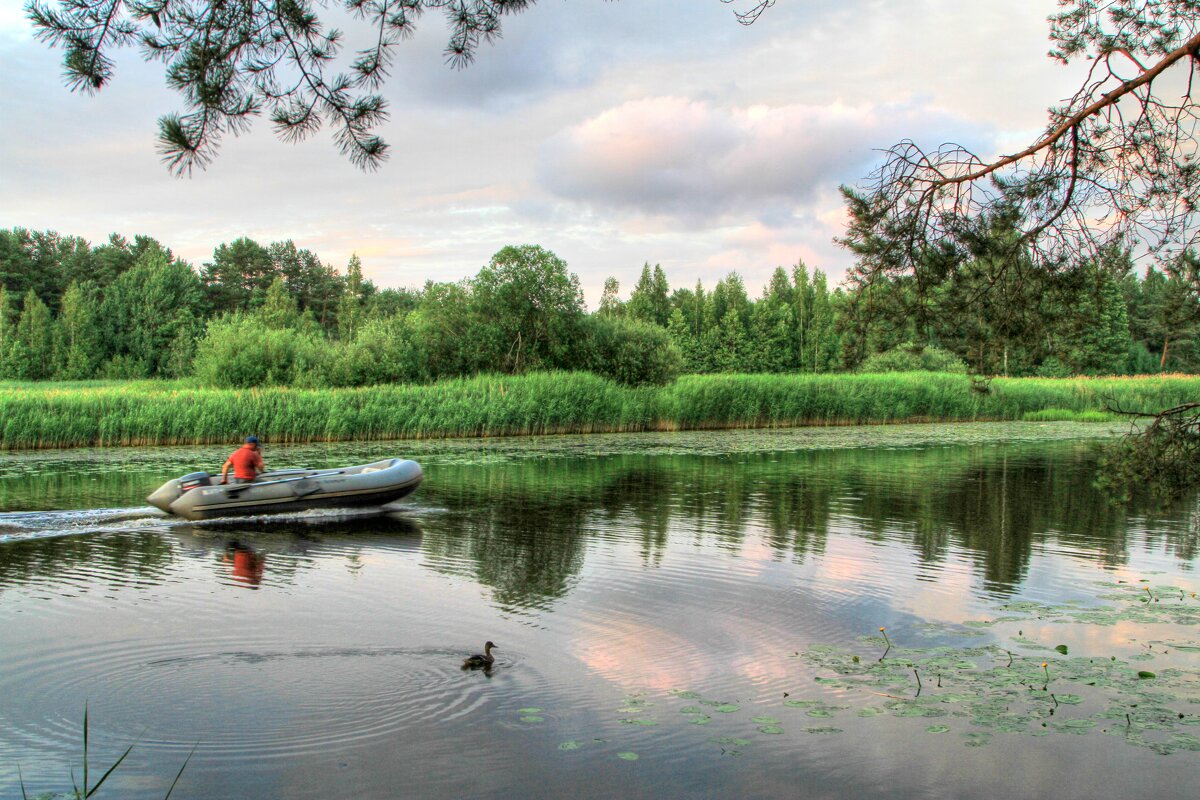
[(225, 470)]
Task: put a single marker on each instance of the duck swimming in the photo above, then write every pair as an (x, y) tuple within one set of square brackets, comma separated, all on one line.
[(481, 661)]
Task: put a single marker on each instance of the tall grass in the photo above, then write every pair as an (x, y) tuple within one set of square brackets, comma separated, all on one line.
[(47, 415)]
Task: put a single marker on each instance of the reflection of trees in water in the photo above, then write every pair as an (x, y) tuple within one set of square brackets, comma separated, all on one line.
[(520, 527), (71, 488), (141, 559), (523, 525), (236, 548)]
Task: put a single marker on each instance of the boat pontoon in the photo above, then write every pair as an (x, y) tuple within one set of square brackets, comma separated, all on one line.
[(201, 496)]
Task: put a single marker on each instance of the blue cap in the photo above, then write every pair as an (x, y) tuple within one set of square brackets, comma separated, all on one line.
[(251, 440)]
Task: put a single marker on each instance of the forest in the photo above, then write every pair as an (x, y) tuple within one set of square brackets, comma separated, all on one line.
[(277, 314)]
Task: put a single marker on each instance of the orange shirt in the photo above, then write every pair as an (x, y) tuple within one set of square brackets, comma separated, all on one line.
[(247, 462)]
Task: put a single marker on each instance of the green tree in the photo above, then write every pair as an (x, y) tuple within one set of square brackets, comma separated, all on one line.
[(238, 276), (239, 350), (444, 325), (279, 309), (80, 348), (649, 301), (316, 286), (610, 300), (385, 350), (8, 333), (823, 339), (631, 351), (1171, 320), (772, 327), (685, 341), (145, 310), (33, 353), (528, 309), (350, 312)]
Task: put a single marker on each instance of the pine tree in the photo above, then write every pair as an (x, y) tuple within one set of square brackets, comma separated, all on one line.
[(731, 353), (650, 299), (802, 303), (824, 343), (681, 335)]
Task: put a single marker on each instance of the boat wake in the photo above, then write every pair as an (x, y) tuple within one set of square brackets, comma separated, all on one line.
[(25, 525)]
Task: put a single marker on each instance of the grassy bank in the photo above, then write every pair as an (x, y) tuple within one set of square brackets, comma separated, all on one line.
[(46, 415)]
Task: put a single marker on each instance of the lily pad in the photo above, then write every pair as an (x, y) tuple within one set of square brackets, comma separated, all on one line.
[(801, 703), (723, 708), (938, 729), (1078, 725), (571, 745), (532, 718), (770, 729), (627, 756)]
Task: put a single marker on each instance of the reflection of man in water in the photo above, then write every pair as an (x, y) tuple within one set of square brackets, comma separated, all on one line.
[(246, 566), (246, 461)]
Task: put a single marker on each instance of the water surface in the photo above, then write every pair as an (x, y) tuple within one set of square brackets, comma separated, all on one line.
[(663, 605)]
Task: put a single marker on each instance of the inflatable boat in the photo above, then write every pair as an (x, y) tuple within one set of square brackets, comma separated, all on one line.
[(200, 495)]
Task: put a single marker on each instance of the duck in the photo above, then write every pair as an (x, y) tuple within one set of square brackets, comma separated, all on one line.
[(481, 660)]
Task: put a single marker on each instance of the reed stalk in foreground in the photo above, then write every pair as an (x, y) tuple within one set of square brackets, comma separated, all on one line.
[(87, 791)]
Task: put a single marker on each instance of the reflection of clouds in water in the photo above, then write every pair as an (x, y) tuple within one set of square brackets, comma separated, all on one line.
[(639, 654)]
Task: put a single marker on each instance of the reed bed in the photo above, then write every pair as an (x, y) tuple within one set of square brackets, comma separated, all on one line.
[(104, 414)]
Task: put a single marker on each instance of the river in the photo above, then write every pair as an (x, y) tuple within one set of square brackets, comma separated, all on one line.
[(693, 614)]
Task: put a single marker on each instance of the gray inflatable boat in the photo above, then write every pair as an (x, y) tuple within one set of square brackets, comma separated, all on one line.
[(201, 496)]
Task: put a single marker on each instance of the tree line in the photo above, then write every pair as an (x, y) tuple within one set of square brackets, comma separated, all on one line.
[(277, 314)]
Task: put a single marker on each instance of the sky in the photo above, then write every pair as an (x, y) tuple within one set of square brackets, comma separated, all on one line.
[(613, 133)]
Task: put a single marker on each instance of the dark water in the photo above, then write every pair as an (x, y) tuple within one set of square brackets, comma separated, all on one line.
[(654, 599)]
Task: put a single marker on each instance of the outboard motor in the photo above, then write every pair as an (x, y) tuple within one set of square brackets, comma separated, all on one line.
[(194, 479)]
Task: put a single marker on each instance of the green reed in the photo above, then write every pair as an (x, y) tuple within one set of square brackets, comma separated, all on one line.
[(49, 415)]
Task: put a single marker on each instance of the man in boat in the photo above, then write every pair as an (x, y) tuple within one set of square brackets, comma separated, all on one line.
[(246, 461)]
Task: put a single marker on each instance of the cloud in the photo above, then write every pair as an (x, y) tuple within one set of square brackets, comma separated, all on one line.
[(546, 50), (698, 161)]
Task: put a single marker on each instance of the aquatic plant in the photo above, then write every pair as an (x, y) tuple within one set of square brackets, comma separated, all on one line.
[(83, 414), (994, 688), (86, 791)]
